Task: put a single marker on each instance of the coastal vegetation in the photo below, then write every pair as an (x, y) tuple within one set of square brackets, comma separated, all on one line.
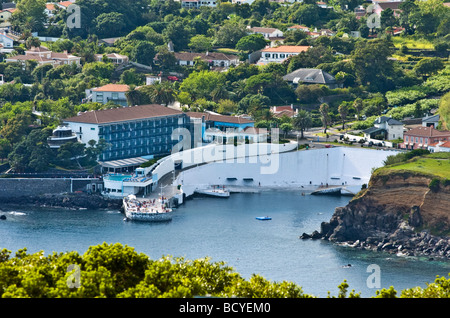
[(118, 271), (418, 161), (400, 76)]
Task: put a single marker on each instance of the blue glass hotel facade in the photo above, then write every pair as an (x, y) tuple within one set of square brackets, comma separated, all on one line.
[(130, 132)]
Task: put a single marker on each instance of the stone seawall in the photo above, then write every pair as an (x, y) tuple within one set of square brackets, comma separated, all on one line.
[(22, 187), (57, 192)]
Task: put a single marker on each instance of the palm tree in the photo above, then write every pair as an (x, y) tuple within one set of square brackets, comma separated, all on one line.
[(133, 96), (358, 104), (162, 93), (343, 111), (323, 109), (302, 121)]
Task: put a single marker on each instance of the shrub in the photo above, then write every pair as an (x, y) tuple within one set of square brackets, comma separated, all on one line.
[(434, 185)]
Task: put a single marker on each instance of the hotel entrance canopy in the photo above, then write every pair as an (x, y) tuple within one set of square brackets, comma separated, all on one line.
[(124, 164)]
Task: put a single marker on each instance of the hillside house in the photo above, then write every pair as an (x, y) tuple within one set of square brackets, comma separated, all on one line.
[(280, 53), (214, 59), (311, 76), (108, 93), (387, 127), (114, 57), (268, 33), (422, 137), (44, 56)]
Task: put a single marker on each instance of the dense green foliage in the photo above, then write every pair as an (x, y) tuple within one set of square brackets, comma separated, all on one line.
[(117, 271)]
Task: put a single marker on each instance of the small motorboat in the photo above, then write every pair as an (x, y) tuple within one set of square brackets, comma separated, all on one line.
[(263, 218)]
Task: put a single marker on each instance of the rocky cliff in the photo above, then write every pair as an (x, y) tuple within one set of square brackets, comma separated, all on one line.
[(398, 212)]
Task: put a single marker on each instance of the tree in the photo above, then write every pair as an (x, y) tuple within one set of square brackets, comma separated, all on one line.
[(110, 24), (302, 120), (30, 15), (371, 64), (286, 127), (251, 43), (343, 112), (143, 52), (200, 43), (324, 116), (428, 66), (358, 105), (160, 93), (444, 112), (32, 153), (229, 34)]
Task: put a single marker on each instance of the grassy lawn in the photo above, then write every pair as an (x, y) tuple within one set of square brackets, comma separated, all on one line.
[(412, 43), (438, 167)]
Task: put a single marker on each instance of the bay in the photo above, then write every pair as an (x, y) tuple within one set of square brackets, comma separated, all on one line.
[(227, 230)]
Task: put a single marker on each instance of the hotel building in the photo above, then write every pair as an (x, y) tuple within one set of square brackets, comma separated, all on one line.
[(141, 132)]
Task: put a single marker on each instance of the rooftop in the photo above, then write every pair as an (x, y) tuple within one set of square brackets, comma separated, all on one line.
[(189, 56), (427, 132), (112, 88), (389, 120), (310, 75), (219, 118), (123, 114), (287, 49)]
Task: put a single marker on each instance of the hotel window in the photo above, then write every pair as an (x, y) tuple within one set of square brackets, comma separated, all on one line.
[(267, 55), (99, 98), (421, 140), (426, 141), (115, 95), (282, 55), (417, 139)]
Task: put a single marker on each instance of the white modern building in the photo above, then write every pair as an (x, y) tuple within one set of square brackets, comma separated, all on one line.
[(108, 93), (280, 53), (194, 4)]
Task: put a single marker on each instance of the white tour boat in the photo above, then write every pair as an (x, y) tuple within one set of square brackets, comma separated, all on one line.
[(146, 210), (216, 191)]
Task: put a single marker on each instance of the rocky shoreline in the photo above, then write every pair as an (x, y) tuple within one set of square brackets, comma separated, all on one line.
[(399, 215), (65, 201)]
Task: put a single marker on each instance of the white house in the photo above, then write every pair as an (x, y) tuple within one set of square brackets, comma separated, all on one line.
[(215, 59), (7, 43), (280, 53), (441, 146), (268, 33), (388, 127), (190, 4), (109, 92), (44, 56), (114, 57), (50, 9), (431, 121)]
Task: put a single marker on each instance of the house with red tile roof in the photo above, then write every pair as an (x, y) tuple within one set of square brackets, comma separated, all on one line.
[(280, 53), (441, 146), (422, 137), (108, 93)]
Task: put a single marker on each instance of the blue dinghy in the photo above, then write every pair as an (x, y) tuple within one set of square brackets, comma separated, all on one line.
[(263, 218)]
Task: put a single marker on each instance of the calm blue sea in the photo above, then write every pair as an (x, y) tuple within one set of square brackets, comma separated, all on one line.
[(226, 230)]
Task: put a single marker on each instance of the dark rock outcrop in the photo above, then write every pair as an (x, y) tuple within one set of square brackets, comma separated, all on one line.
[(397, 214)]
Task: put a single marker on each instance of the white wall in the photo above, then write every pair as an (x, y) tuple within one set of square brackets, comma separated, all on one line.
[(300, 168), (88, 131)]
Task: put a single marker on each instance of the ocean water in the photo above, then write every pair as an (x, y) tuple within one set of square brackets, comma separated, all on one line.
[(226, 230)]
